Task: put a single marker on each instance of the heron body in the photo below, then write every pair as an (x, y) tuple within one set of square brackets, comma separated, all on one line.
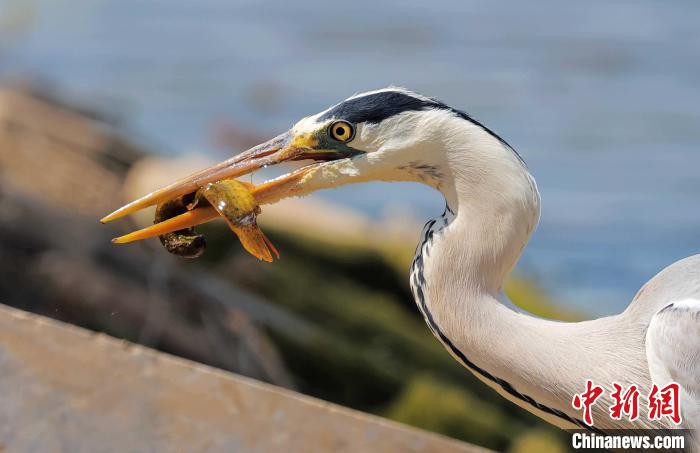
[(464, 256)]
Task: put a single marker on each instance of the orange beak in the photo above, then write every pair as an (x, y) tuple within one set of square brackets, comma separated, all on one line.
[(280, 149), (266, 193), (269, 153)]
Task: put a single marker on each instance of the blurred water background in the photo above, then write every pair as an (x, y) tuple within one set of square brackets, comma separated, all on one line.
[(600, 98)]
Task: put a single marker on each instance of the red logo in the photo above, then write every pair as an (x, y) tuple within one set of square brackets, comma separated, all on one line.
[(662, 402), (587, 399), (626, 403)]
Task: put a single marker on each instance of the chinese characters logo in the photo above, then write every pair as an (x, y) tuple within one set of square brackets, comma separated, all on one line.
[(661, 402)]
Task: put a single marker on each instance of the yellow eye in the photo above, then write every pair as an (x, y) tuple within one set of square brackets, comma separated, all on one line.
[(342, 131)]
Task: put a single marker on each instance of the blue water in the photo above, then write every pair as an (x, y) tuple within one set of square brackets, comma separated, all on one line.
[(601, 99)]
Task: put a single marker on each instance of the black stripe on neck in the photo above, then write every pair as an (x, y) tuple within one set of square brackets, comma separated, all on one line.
[(419, 280)]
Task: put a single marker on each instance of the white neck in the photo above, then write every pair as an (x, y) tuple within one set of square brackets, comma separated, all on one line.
[(493, 208)]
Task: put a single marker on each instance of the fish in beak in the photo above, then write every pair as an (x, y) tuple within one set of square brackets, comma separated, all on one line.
[(211, 193)]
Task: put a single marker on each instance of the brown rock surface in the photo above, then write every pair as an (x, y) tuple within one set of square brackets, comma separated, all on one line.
[(64, 388)]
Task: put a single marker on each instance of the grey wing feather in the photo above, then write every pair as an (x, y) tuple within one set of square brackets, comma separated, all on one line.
[(673, 354)]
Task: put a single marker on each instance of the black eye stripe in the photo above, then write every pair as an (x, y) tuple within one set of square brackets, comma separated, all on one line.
[(376, 107)]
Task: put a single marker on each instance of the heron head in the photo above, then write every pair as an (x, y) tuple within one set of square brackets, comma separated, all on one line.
[(391, 134), (385, 135)]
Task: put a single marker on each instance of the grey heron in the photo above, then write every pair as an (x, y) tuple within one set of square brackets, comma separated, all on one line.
[(492, 207)]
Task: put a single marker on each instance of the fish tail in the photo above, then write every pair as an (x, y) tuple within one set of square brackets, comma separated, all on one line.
[(255, 242)]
